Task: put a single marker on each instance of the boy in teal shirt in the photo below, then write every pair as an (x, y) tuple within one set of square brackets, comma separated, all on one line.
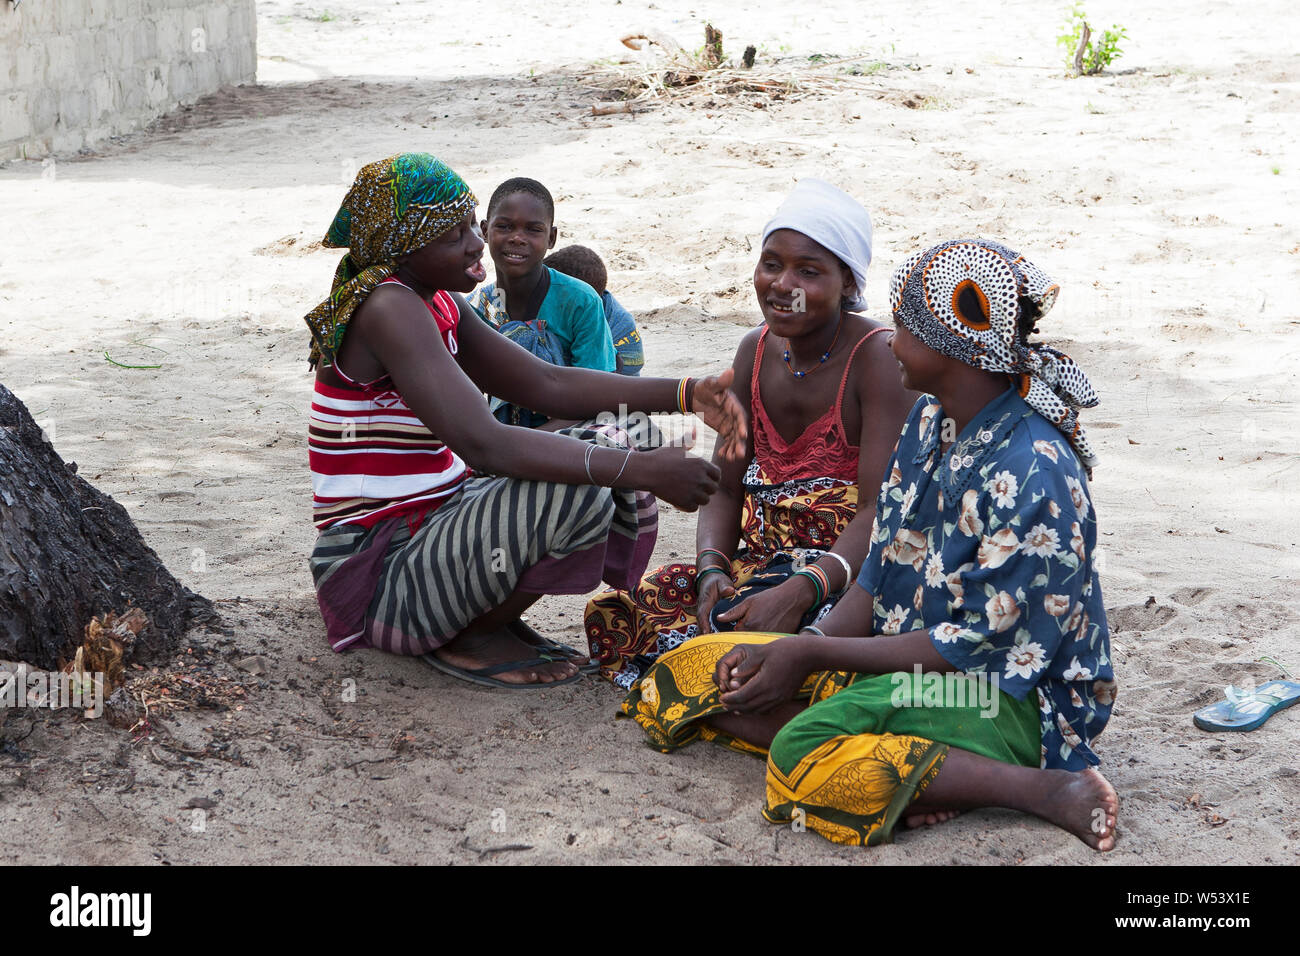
[(556, 317)]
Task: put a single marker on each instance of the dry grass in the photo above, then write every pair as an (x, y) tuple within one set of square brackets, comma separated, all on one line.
[(685, 77)]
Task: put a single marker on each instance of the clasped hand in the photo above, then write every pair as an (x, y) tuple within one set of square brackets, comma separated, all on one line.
[(754, 678), (777, 609)]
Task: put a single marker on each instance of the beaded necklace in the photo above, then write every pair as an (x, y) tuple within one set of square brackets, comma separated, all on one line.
[(822, 360)]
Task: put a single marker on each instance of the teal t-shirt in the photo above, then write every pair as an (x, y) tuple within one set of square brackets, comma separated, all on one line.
[(573, 311), (573, 314)]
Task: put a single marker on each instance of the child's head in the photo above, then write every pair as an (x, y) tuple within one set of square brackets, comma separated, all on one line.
[(520, 226), (581, 263)]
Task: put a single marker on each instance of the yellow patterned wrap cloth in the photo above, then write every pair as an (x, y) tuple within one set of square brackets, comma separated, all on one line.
[(853, 789), (850, 787)]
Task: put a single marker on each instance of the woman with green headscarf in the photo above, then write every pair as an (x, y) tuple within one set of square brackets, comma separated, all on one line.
[(440, 525)]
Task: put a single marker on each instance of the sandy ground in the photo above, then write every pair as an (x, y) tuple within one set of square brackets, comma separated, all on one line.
[(1161, 197)]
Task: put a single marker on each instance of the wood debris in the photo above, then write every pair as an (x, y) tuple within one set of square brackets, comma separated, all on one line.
[(107, 640), (681, 75)]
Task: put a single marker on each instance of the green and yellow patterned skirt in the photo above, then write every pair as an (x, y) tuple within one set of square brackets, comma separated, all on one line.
[(849, 765)]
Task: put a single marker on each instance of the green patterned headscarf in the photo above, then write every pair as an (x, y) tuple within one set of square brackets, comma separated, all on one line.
[(395, 206)]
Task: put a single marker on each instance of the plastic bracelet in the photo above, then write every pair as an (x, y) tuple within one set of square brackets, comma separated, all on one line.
[(822, 576), (681, 396), (819, 592), (726, 560), (817, 576), (848, 572)]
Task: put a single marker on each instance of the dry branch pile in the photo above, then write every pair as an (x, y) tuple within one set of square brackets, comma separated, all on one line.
[(684, 77)]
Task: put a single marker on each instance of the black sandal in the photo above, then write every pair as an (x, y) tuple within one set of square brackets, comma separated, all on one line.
[(528, 635), (483, 675)]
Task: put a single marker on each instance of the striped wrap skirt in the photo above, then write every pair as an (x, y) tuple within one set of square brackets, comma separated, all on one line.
[(411, 590)]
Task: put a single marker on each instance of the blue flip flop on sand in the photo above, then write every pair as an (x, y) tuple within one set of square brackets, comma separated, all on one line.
[(1246, 710)]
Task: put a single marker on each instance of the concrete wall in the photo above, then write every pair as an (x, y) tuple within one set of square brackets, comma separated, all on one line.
[(74, 72)]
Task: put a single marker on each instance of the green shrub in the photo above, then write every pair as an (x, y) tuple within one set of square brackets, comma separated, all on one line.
[(1098, 51)]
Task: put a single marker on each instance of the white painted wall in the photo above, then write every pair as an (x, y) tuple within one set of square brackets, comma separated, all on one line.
[(74, 72)]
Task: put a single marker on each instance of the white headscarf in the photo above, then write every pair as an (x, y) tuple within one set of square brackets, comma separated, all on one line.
[(831, 218)]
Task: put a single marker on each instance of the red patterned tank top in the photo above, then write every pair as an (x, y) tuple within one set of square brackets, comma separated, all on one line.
[(821, 450)]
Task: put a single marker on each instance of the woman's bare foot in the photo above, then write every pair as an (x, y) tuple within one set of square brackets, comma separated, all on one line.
[(1085, 804), (930, 818), (1080, 802), (530, 635), (475, 651)]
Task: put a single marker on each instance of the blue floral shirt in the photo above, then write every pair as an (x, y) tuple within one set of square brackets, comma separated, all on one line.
[(990, 546)]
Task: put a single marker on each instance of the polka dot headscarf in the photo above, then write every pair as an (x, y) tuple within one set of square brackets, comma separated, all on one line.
[(962, 299)]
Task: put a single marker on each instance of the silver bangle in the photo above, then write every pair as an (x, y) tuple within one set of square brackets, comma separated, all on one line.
[(848, 572), (814, 628), (587, 464), (620, 471)]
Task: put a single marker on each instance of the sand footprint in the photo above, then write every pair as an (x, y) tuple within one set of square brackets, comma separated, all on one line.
[(1191, 596), (1140, 617)]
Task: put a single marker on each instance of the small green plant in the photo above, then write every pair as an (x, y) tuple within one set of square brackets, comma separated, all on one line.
[(1087, 54), (865, 69), (326, 17), (935, 103)]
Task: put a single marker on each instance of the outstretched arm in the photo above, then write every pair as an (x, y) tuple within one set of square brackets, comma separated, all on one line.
[(500, 367), (850, 615), (756, 678), (402, 337)]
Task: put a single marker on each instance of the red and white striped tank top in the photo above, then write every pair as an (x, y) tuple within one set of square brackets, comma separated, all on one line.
[(371, 456)]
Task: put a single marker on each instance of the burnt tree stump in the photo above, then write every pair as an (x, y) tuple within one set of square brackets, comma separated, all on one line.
[(68, 553)]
